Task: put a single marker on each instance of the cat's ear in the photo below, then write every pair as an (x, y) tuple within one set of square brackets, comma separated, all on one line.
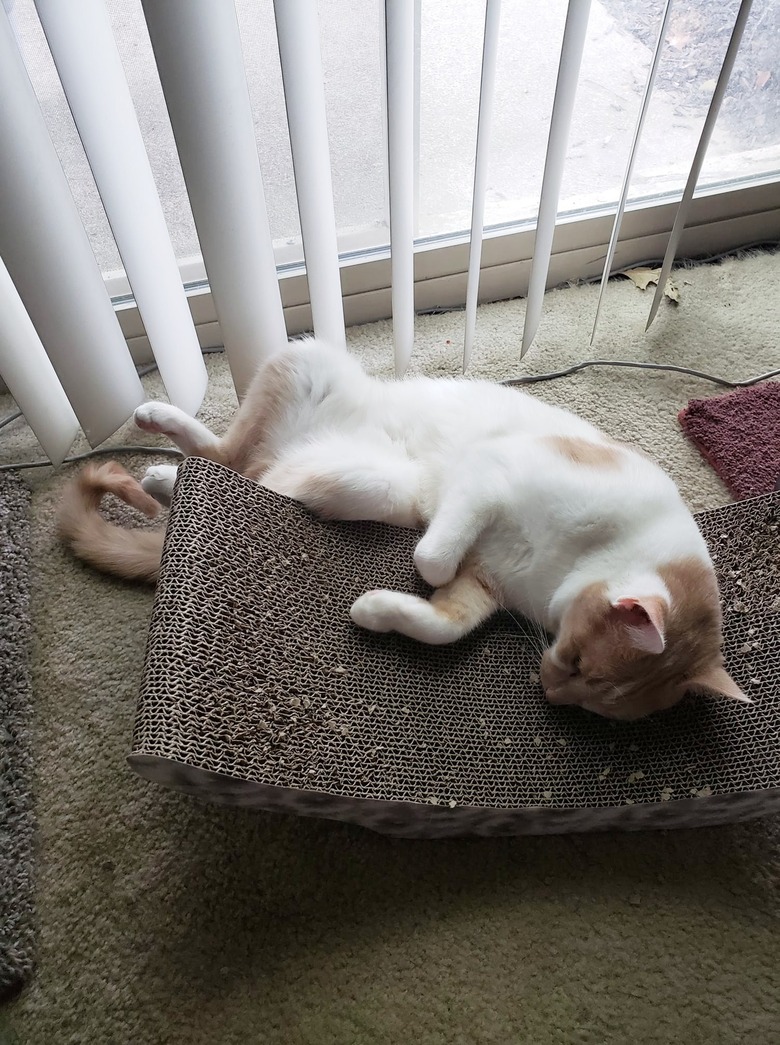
[(716, 682), (644, 621)]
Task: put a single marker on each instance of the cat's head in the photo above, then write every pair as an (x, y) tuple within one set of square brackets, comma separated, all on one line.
[(624, 655)]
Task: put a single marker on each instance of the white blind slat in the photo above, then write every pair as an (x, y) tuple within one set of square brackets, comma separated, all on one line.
[(297, 30), (417, 103), (30, 377), (49, 258), (82, 44), (400, 99), (701, 151), (481, 161), (640, 123), (197, 49), (574, 34)]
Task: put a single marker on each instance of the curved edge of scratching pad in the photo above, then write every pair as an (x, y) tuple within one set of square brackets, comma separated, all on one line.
[(411, 820), (258, 689)]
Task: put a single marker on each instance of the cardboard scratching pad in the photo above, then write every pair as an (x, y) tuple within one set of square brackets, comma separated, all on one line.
[(258, 689)]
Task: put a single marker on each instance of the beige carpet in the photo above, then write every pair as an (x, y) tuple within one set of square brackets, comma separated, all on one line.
[(164, 920)]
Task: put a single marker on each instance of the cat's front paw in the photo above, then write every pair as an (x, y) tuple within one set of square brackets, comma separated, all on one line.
[(376, 610), (435, 568)]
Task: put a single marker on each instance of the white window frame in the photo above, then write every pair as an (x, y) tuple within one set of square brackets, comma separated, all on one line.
[(721, 219)]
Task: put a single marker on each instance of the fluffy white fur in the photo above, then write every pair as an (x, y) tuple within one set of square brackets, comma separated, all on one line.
[(470, 459)]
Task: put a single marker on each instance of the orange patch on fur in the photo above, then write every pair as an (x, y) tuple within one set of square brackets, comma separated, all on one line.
[(112, 478), (134, 554), (585, 452), (690, 576), (697, 620), (634, 450), (243, 446), (649, 682), (693, 587), (467, 600)]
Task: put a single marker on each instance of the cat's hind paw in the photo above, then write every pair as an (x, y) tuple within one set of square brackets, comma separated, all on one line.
[(158, 482), (160, 418)]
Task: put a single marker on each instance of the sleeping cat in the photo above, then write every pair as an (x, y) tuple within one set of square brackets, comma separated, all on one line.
[(524, 506)]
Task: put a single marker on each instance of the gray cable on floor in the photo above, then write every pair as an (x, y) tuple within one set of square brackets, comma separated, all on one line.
[(103, 451), (532, 379)]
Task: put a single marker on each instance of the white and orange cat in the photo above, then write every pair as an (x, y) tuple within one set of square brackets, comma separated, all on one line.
[(524, 506)]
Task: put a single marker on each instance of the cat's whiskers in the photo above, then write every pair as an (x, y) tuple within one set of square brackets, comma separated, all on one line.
[(537, 637), (539, 633), (614, 695)]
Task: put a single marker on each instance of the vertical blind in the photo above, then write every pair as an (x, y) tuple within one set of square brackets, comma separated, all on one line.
[(62, 353), (90, 70), (197, 49), (46, 251)]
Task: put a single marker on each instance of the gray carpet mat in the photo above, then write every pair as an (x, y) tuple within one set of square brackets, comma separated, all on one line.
[(259, 690), (16, 818)]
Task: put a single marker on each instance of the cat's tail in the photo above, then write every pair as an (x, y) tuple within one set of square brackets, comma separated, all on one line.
[(133, 554)]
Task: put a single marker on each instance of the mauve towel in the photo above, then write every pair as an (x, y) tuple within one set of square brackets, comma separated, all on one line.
[(739, 434)]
